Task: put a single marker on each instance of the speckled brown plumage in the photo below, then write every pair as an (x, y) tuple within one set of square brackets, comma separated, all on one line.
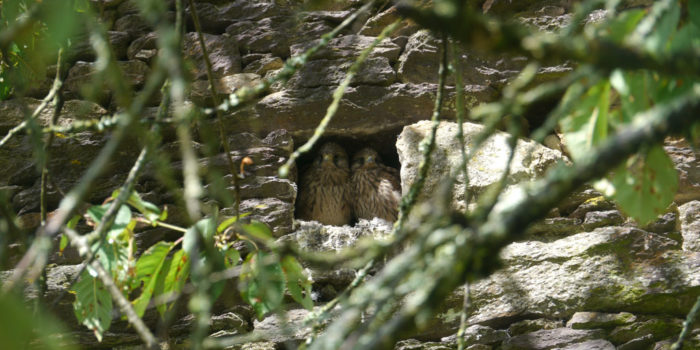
[(323, 188), (376, 188)]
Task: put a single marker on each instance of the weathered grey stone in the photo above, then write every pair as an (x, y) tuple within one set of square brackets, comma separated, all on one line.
[(689, 214), (595, 219), (80, 80), (598, 203), (590, 320), (276, 214), (479, 347), (271, 327), (213, 19), (656, 328), (230, 321), (687, 163), (365, 110), (643, 342), (262, 64), (530, 161), (70, 158), (87, 340), (547, 19), (375, 71), (335, 16), (589, 270), (275, 34), (315, 236), (82, 49), (548, 339), (13, 112), (692, 342), (222, 49), (223, 54), (478, 334), (127, 8), (243, 9), (145, 46), (349, 46), (413, 344), (528, 326), (556, 227), (597, 344), (574, 200), (133, 24), (377, 23), (420, 60), (664, 224), (200, 91), (57, 278), (259, 346)]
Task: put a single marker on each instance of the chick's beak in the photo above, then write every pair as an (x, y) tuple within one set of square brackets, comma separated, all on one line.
[(327, 157)]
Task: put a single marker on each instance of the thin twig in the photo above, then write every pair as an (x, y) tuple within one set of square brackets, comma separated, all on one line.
[(215, 98), (687, 325)]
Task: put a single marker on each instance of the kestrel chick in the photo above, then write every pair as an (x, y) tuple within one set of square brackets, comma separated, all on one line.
[(323, 188), (376, 187)]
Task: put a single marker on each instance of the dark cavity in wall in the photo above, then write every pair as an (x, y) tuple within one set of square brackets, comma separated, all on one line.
[(383, 142)]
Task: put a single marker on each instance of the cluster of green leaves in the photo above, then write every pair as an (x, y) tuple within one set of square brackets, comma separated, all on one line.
[(162, 270), (644, 186), (23, 63)]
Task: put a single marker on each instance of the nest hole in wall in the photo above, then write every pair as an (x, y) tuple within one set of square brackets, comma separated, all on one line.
[(384, 142)]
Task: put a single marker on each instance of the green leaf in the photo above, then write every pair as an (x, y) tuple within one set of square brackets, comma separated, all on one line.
[(121, 221), (619, 27), (230, 221), (658, 40), (63, 244), (5, 86), (73, 222), (114, 257), (232, 257), (258, 230), (296, 280), (694, 12), (81, 5), (178, 269), (665, 89), (149, 270), (205, 249), (587, 125), (148, 209), (262, 283), (206, 230), (645, 185), (633, 90), (686, 39), (93, 304)]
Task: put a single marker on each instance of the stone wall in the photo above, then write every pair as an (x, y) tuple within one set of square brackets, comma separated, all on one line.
[(587, 277)]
